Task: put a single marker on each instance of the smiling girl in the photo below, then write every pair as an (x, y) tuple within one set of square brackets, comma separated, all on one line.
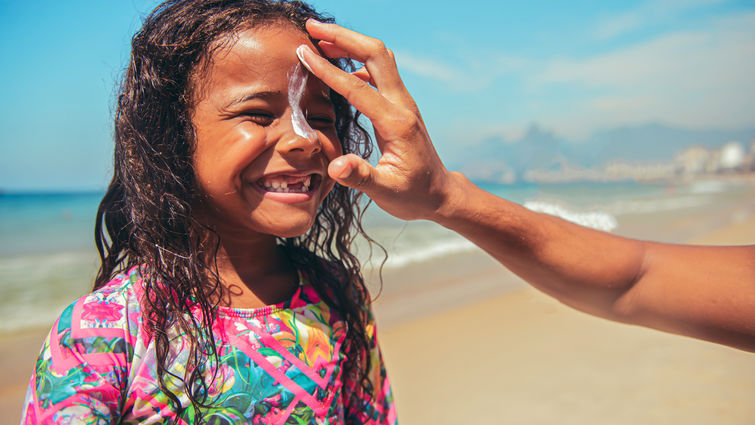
[(227, 292)]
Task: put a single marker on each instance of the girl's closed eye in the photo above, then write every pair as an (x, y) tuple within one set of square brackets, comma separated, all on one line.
[(320, 120), (261, 118)]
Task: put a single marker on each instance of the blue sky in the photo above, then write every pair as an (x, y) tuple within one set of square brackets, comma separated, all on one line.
[(489, 68)]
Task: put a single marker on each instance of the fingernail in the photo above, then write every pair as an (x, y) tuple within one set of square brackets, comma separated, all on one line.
[(300, 52), (312, 21)]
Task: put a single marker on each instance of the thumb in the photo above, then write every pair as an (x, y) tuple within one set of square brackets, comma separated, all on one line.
[(352, 171)]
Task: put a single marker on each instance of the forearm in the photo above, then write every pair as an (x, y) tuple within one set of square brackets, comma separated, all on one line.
[(679, 289), (579, 266)]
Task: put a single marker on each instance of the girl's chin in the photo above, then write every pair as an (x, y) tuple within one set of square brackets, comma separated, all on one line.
[(291, 229), (292, 233)]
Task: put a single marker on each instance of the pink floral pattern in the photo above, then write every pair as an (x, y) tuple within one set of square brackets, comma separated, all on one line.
[(102, 311)]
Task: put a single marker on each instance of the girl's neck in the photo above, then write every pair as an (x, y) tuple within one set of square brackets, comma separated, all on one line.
[(254, 273)]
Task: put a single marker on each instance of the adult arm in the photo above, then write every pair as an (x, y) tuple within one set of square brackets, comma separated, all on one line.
[(703, 292)]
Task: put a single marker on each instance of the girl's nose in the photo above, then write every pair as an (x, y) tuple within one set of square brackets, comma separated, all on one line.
[(293, 143)]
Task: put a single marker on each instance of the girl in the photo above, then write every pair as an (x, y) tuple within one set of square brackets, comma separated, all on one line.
[(226, 292)]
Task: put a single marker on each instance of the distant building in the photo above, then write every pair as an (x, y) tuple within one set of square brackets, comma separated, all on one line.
[(619, 170), (692, 161), (688, 164), (732, 157)]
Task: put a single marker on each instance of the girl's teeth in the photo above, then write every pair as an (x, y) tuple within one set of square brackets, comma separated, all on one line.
[(283, 186)]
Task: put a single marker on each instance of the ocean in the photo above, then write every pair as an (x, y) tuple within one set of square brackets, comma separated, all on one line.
[(48, 259)]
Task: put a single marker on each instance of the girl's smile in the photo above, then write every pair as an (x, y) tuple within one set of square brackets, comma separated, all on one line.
[(290, 184), (259, 173)]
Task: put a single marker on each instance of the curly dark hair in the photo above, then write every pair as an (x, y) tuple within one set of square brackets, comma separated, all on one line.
[(145, 218)]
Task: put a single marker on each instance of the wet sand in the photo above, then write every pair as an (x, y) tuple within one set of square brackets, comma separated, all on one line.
[(18, 352)]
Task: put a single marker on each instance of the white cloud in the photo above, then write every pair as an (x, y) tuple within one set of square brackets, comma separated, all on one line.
[(692, 79), (429, 68), (470, 75), (649, 13), (698, 78), (617, 25)]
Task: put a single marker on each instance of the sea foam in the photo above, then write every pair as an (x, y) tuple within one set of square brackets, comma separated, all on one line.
[(437, 249), (594, 219)]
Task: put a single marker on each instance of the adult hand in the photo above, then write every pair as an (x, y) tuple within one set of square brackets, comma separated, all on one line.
[(703, 292), (409, 180)]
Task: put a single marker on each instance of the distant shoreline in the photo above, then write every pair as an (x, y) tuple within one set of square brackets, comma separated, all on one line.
[(747, 177), (51, 192)]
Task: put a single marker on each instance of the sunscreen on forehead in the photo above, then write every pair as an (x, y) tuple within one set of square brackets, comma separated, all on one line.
[(297, 82)]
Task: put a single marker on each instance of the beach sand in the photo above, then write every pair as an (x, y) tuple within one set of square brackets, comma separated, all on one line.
[(18, 353), (523, 358), (517, 356)]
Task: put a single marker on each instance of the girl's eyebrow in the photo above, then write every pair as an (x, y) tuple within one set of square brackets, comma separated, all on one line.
[(265, 95)]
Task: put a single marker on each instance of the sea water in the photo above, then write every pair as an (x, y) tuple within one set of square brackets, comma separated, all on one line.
[(47, 255), (48, 259)]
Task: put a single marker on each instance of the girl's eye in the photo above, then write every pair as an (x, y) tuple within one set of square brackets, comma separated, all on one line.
[(320, 121), (260, 118)]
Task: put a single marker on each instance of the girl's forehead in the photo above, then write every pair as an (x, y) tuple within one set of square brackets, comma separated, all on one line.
[(263, 51), (266, 45), (263, 55), (256, 59)]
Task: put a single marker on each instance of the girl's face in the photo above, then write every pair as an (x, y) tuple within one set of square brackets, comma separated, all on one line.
[(258, 175)]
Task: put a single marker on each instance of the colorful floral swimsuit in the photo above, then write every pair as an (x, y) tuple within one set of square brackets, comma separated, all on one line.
[(278, 364)]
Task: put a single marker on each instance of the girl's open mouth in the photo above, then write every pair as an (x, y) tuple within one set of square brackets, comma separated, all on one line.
[(283, 183)]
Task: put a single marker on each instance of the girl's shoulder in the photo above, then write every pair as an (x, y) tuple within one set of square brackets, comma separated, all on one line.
[(111, 311), (85, 359)]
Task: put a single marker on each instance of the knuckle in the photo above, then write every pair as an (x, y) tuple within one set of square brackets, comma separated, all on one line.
[(358, 85), (378, 46), (405, 121), (362, 176), (352, 87), (336, 38), (364, 180)]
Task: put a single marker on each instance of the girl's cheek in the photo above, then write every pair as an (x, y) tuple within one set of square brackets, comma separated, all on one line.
[(243, 145), (329, 184), (332, 146)]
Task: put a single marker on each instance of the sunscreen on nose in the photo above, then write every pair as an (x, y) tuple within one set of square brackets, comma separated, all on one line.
[(297, 82)]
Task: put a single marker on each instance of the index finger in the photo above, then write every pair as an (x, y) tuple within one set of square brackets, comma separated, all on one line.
[(372, 52)]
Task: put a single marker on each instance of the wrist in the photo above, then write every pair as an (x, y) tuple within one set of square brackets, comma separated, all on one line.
[(455, 191)]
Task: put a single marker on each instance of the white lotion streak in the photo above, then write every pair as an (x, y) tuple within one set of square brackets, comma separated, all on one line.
[(297, 82)]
